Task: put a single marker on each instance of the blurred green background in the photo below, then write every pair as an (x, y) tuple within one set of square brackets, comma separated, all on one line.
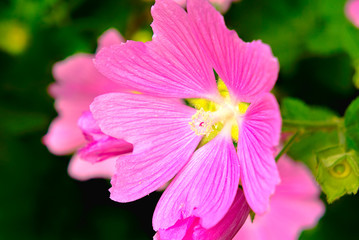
[(317, 47)]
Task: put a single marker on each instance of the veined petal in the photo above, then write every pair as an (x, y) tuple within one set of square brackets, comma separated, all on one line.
[(109, 37), (295, 206), (160, 133), (259, 133), (205, 188), (248, 69), (189, 228), (82, 170), (171, 65)]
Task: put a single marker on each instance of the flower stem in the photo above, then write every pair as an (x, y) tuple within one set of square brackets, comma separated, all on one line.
[(312, 125), (287, 145)]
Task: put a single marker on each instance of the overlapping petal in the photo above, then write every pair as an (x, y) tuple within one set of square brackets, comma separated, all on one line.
[(83, 170), (248, 69), (205, 188), (258, 134), (189, 229), (62, 138), (99, 146), (160, 133), (77, 83), (108, 38), (171, 65), (295, 206)]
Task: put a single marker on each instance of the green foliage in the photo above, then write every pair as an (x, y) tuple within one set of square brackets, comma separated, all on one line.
[(338, 172), (297, 112), (298, 28), (351, 123), (326, 143)]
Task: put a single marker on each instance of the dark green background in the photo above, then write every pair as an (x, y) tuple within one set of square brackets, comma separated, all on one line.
[(316, 46)]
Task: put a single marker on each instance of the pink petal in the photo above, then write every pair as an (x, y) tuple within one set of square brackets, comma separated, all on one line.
[(258, 134), (160, 133), (89, 127), (189, 228), (248, 69), (82, 170), (295, 206), (110, 37), (172, 65), (77, 83), (99, 147), (297, 180), (64, 136), (352, 11), (205, 188)]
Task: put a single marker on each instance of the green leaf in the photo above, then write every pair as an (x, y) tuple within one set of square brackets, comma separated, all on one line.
[(326, 144), (296, 109), (296, 114), (351, 123), (306, 147), (356, 75), (338, 173)]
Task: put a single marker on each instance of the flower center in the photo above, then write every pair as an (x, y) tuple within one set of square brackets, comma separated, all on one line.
[(211, 117), (202, 122)]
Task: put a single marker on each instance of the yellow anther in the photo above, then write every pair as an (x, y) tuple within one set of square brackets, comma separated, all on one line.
[(199, 103), (242, 107), (211, 117), (222, 88), (235, 131)]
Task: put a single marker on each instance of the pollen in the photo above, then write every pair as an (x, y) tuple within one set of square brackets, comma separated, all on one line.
[(202, 123)]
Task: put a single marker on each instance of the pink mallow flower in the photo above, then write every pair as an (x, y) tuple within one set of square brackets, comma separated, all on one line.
[(295, 206), (226, 229), (77, 84), (178, 64), (352, 11), (221, 5)]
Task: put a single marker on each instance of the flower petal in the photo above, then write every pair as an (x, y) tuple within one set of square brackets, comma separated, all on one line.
[(77, 84), (205, 188), (248, 69), (295, 206), (352, 11), (188, 229), (109, 37), (259, 133), (171, 65), (82, 170), (160, 133), (100, 146)]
